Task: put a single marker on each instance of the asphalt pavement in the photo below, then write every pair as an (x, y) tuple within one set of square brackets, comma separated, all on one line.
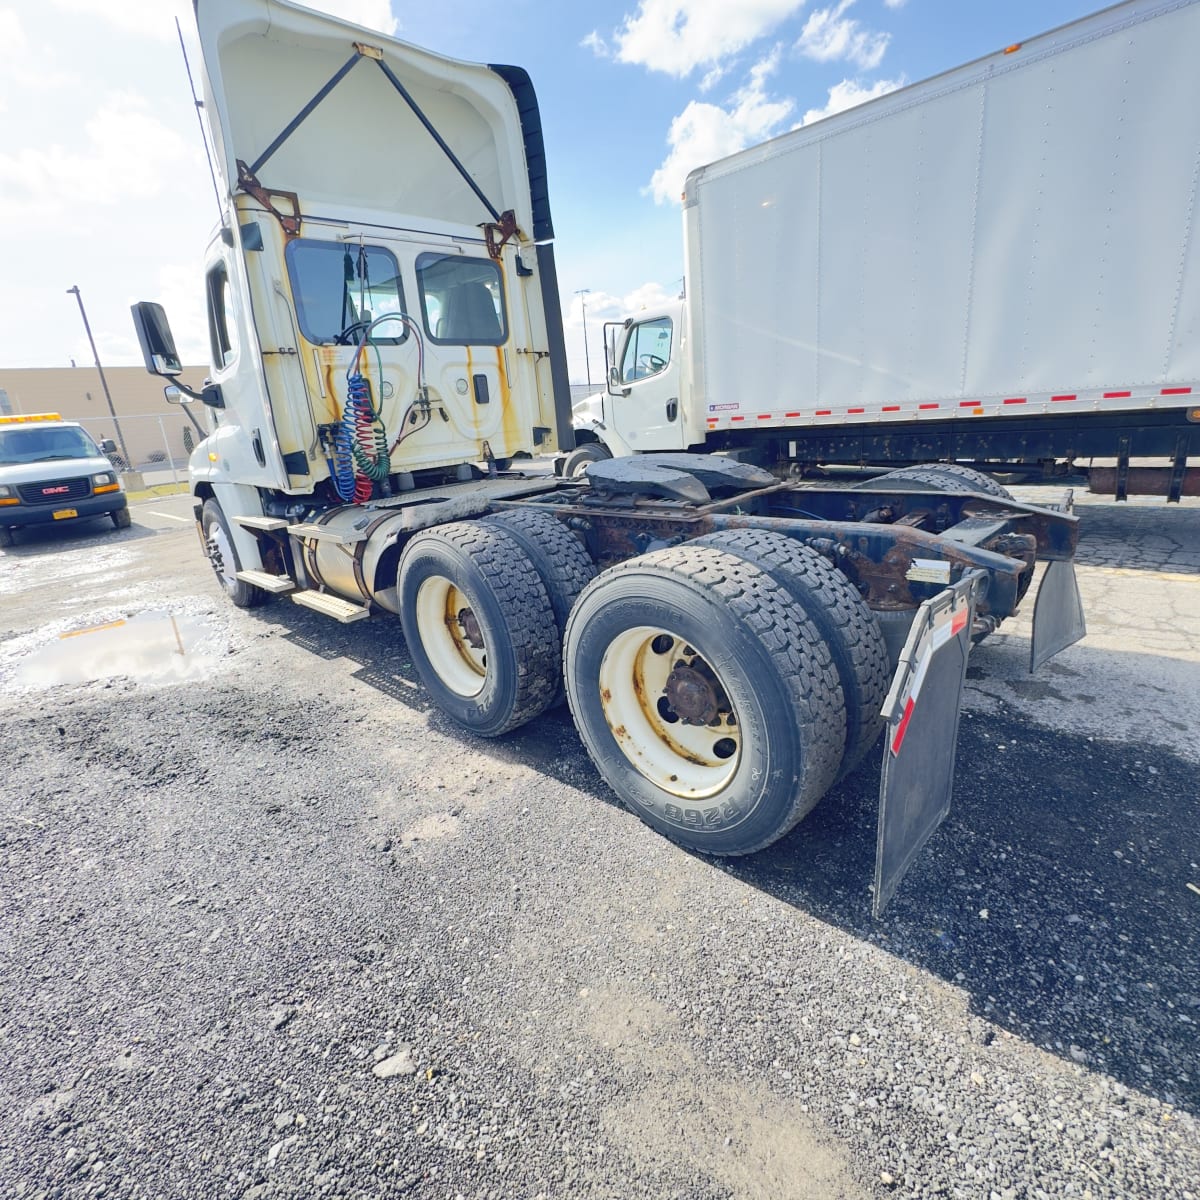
[(273, 927)]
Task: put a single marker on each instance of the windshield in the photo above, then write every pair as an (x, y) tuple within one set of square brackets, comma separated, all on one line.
[(32, 444)]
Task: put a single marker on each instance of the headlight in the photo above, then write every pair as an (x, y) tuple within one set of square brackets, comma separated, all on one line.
[(5, 491), (103, 478)]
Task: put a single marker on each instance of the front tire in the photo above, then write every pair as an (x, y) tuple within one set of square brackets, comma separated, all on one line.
[(6, 537), (223, 557), (479, 626), (707, 701), (121, 518), (576, 463)]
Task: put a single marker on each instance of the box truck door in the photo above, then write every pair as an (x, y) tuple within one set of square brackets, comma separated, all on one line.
[(645, 406)]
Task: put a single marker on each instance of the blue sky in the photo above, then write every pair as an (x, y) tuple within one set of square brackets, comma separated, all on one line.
[(103, 181)]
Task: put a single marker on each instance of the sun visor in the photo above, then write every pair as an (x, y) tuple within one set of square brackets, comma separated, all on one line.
[(356, 124)]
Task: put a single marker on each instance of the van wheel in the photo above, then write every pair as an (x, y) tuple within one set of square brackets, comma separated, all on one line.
[(563, 565), (842, 618), (6, 537), (576, 462), (708, 702), (121, 518), (222, 556), (479, 626)]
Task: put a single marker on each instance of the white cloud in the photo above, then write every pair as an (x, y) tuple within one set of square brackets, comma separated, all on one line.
[(41, 181), (829, 36), (676, 36), (151, 18), (373, 14), (703, 132), (13, 42), (24, 69), (155, 18), (848, 93), (597, 45), (605, 306), (895, 3)]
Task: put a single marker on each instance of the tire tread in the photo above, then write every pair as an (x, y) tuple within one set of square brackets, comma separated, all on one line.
[(841, 616)]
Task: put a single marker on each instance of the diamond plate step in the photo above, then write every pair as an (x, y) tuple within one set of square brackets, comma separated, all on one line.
[(331, 606), (276, 584), (263, 524), (324, 533)]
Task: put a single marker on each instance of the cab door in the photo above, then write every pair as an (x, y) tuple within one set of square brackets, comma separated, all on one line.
[(645, 394)]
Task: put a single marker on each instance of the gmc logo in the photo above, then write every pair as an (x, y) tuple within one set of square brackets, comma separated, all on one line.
[(55, 491)]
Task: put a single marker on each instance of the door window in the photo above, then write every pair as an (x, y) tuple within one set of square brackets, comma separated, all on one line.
[(222, 330), (340, 287), (647, 350), (462, 300)]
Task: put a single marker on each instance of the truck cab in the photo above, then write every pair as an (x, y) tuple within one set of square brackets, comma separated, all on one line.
[(643, 407), (52, 472)]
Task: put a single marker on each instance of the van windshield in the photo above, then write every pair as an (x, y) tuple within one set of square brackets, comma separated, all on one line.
[(32, 444)]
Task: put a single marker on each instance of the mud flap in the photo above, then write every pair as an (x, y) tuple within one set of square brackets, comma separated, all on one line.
[(1057, 615), (921, 712)]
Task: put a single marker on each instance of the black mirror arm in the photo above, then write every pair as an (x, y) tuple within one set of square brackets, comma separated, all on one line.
[(187, 391)]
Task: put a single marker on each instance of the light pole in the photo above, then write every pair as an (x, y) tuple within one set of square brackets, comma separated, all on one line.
[(74, 291), (587, 362)]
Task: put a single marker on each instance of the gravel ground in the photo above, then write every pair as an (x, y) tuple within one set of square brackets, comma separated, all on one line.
[(273, 928)]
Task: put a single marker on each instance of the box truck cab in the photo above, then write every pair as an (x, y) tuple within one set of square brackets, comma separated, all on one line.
[(643, 405), (51, 472)]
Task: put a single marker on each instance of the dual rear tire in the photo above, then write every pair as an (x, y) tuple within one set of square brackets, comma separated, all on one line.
[(719, 687)]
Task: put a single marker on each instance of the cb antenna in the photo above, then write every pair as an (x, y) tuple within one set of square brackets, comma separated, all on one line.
[(212, 174)]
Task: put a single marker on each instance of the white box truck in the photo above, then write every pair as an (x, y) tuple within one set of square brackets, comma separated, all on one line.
[(997, 265), (386, 341)]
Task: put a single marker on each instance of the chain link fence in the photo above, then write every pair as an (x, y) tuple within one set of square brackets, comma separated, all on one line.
[(147, 442)]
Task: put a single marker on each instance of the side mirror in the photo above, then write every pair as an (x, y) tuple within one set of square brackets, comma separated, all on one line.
[(175, 396), (108, 446), (154, 337)]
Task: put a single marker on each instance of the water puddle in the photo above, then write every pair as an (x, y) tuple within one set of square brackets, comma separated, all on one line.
[(159, 647)]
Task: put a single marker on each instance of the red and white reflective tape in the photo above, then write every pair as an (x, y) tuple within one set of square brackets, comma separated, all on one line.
[(945, 409), (946, 625)]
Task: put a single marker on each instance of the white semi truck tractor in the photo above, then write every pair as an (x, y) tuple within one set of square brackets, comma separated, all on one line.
[(998, 266), (386, 344)]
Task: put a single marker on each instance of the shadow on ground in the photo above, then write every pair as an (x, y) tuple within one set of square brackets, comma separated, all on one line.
[(1055, 895)]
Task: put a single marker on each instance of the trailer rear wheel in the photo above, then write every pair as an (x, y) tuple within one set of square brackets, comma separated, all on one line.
[(563, 565), (223, 558), (841, 616), (479, 626), (708, 702)]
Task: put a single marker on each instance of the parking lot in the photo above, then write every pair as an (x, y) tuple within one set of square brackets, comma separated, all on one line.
[(273, 927)]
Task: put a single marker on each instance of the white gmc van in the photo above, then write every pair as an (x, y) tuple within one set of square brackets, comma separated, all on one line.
[(52, 471)]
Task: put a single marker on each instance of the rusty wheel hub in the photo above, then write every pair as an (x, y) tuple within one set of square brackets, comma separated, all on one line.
[(693, 693), (469, 625)]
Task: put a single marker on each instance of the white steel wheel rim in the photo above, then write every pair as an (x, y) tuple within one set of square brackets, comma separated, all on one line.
[(687, 760), (441, 609), (220, 551)]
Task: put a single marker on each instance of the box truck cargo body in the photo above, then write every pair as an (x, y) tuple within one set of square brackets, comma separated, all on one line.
[(999, 263)]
